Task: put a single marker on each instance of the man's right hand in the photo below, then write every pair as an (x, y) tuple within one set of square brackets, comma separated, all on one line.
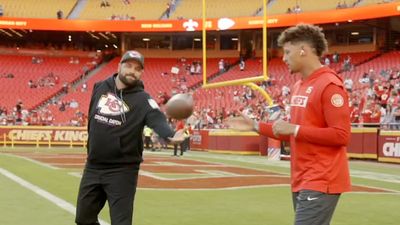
[(241, 123)]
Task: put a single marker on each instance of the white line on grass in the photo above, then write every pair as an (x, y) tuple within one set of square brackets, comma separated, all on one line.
[(33, 160), (217, 189), (43, 193)]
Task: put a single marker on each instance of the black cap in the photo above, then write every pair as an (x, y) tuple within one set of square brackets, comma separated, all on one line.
[(135, 55)]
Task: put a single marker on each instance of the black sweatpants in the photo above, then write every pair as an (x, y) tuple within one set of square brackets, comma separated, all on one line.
[(314, 207), (117, 186)]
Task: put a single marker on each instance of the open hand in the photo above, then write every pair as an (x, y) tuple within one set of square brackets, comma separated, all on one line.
[(241, 123), (281, 127), (178, 137)]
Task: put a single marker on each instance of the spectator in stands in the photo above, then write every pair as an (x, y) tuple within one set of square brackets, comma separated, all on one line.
[(221, 66), (84, 87), (347, 64), (388, 118), (31, 84), (317, 126), (348, 84), (242, 64), (376, 116), (60, 14), (172, 4), (192, 68), (289, 10), (65, 87), (297, 9), (396, 114), (355, 114), (73, 104), (198, 68), (104, 3), (327, 61), (1, 10), (62, 106), (168, 10), (336, 57)]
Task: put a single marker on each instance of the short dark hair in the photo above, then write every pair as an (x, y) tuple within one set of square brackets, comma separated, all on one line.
[(308, 33)]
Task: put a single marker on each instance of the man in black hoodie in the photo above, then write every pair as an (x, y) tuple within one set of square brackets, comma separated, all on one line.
[(119, 110)]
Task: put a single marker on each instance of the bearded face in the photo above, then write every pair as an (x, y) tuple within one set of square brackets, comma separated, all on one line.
[(130, 72)]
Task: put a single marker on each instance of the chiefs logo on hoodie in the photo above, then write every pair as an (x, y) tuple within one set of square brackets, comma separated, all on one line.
[(111, 105)]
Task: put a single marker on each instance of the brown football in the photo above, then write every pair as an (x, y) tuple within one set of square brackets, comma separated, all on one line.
[(179, 106)]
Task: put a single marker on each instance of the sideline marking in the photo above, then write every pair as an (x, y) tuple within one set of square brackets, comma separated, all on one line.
[(32, 160), (43, 193)]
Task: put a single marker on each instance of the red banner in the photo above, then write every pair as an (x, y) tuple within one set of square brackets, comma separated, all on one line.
[(199, 139), (320, 17), (389, 146), (42, 135)]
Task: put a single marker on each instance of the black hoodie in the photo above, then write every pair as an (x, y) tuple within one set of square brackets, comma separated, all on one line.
[(116, 122)]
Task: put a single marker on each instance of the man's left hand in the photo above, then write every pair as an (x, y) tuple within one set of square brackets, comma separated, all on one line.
[(281, 127), (178, 137)]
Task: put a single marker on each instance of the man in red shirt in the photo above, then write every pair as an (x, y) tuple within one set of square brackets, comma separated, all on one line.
[(319, 127)]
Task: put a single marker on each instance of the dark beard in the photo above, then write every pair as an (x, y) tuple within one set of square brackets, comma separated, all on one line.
[(128, 83)]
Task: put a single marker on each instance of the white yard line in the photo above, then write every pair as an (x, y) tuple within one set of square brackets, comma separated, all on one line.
[(285, 164), (33, 161), (217, 189), (43, 193), (376, 176)]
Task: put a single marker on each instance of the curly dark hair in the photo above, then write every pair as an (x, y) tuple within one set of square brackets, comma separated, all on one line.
[(308, 33)]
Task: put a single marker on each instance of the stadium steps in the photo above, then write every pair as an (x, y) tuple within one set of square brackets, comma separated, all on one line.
[(77, 9), (172, 10), (60, 94), (379, 54), (261, 12)]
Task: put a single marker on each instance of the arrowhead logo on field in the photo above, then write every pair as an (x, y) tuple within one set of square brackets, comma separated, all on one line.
[(190, 25), (111, 105)]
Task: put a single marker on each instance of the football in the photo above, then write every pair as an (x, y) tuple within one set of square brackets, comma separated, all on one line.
[(179, 106)]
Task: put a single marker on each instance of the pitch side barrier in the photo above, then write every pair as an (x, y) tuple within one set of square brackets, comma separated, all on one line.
[(366, 143)]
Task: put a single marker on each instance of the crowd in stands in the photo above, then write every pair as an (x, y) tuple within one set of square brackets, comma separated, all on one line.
[(44, 116), (374, 96), (295, 9), (122, 17), (21, 116), (49, 80), (7, 75)]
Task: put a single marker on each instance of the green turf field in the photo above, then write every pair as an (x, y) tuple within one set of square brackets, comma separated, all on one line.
[(245, 206)]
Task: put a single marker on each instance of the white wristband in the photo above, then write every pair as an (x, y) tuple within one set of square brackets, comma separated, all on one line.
[(256, 126), (296, 130)]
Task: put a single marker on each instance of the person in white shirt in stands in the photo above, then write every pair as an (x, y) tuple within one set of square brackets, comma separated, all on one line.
[(221, 66), (242, 65), (348, 84)]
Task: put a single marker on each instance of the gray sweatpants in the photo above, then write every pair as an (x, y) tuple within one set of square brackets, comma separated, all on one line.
[(314, 207)]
